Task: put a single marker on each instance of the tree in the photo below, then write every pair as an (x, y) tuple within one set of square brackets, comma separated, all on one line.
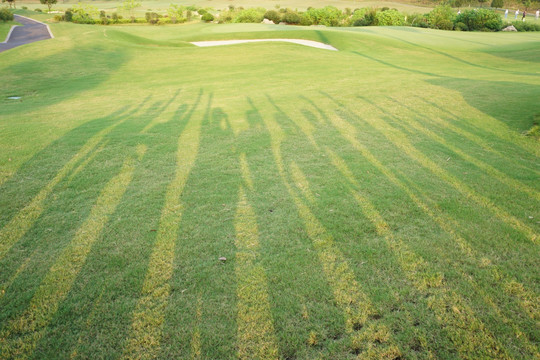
[(10, 2), (49, 3), (130, 5), (497, 4), (5, 14)]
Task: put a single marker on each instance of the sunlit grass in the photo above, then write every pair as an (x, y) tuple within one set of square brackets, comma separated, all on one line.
[(379, 202)]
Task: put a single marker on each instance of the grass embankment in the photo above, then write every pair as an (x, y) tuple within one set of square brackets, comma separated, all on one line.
[(380, 201), (4, 29)]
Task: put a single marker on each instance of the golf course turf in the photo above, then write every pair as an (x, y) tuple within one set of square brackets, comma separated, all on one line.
[(377, 202)]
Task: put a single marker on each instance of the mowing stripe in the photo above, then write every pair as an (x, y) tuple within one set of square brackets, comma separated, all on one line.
[(468, 333), (25, 218), (256, 334), (246, 173), (373, 339), (196, 346), (149, 315), (400, 141), (21, 335)]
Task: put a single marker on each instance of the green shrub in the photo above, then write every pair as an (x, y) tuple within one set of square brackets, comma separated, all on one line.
[(164, 21), (207, 17), (25, 8), (459, 26), (68, 15), (525, 26), (365, 17), (273, 15), (291, 17), (152, 17), (38, 10), (497, 4), (442, 17), (5, 14), (390, 18), (418, 20), (252, 15), (58, 17), (328, 16), (202, 11), (480, 20)]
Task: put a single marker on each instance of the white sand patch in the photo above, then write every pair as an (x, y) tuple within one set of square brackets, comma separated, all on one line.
[(314, 44)]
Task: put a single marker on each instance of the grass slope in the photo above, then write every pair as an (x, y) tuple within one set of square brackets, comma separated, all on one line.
[(376, 202)]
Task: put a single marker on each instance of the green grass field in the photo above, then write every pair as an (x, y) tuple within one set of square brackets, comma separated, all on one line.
[(379, 202)]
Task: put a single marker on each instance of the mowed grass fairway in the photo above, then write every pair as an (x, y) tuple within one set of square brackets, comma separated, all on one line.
[(380, 201)]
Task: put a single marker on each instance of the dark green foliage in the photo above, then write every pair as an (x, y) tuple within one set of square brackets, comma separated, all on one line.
[(207, 17), (390, 18), (459, 26), (442, 17), (49, 3), (273, 15), (328, 16), (68, 15), (38, 10), (418, 20), (364, 17), (480, 20), (251, 15), (497, 3), (525, 26), (5, 14), (291, 17), (152, 17), (202, 11)]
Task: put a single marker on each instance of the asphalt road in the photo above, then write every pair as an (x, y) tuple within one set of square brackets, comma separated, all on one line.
[(30, 31)]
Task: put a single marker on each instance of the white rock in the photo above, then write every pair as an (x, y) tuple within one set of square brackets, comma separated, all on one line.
[(509, 28)]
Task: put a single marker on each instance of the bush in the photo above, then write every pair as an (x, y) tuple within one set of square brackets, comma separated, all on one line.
[(525, 26), (497, 3), (442, 17), (390, 18), (38, 10), (291, 17), (459, 26), (273, 15), (418, 20), (25, 8), (202, 11), (328, 16), (250, 16), (164, 21), (152, 17), (58, 18), (68, 15), (207, 17), (5, 14), (365, 17), (480, 20)]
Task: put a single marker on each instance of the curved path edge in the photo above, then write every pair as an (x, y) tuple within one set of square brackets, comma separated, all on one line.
[(310, 43), (31, 30)]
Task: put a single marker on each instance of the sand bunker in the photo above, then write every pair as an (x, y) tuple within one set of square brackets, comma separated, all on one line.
[(314, 44)]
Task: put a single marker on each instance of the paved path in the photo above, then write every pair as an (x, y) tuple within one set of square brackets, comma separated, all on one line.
[(314, 44), (32, 30)]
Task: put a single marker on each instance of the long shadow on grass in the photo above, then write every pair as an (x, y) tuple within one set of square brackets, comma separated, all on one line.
[(59, 77), (301, 302), (524, 323), (329, 197), (200, 315), (65, 213), (97, 312)]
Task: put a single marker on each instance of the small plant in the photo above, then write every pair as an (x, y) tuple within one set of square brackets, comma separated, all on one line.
[(273, 15), (5, 14), (38, 10), (207, 17), (68, 15)]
